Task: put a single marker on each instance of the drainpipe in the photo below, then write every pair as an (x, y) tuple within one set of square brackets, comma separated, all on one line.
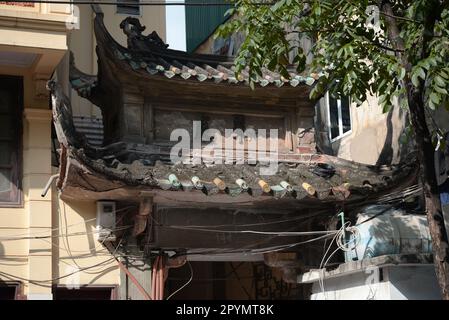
[(48, 185)]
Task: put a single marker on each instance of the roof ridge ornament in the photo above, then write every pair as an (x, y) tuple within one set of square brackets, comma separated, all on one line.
[(136, 40)]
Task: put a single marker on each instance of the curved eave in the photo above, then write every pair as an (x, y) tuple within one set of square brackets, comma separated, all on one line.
[(98, 170), (93, 180), (220, 71)]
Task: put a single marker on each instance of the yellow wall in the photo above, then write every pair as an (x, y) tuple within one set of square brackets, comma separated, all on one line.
[(45, 259), (42, 31), (80, 251), (372, 131)]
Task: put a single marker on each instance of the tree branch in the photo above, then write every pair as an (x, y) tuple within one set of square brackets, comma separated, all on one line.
[(399, 18)]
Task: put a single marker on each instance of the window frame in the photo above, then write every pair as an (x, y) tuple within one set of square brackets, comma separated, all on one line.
[(341, 134), (114, 288), (18, 288), (16, 83), (117, 6)]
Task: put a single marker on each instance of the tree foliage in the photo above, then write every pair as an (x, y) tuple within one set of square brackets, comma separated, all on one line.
[(398, 52), (352, 50)]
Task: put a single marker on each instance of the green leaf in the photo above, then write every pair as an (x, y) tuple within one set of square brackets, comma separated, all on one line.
[(386, 108), (439, 81), (435, 98), (229, 12), (401, 73), (251, 84), (277, 5), (440, 90), (415, 80), (421, 73)]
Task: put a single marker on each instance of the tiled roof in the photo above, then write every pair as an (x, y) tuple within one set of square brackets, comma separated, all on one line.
[(149, 54), (324, 178), (119, 165)]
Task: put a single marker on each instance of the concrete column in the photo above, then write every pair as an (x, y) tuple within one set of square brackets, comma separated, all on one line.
[(140, 269), (36, 172)]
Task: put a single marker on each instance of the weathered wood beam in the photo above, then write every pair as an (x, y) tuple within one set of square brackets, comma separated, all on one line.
[(145, 210)]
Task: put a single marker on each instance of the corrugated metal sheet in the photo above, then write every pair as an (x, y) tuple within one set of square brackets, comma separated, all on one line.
[(202, 21), (91, 127)]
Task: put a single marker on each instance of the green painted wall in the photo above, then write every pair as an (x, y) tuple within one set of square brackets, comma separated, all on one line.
[(201, 21)]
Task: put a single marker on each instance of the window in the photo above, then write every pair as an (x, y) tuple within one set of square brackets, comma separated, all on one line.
[(128, 7), (10, 140), (9, 291), (84, 293), (339, 117)]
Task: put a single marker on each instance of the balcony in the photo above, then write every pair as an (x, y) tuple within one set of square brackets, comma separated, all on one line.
[(19, 11), (33, 40)]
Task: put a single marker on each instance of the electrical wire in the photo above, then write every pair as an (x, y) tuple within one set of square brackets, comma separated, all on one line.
[(341, 245), (81, 233), (246, 249), (186, 284), (55, 229), (302, 217), (66, 243), (400, 196), (276, 233), (288, 246), (250, 250), (41, 282), (322, 271)]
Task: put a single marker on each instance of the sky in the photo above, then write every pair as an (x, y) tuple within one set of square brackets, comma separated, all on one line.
[(176, 26)]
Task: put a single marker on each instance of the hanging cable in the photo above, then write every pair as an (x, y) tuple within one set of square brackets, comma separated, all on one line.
[(81, 233), (276, 233), (186, 284), (42, 282), (340, 240), (27, 234)]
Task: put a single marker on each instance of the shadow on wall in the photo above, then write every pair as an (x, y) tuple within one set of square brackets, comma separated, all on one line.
[(386, 155), (361, 146), (385, 230)]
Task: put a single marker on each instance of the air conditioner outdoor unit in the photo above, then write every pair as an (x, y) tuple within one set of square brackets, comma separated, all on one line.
[(105, 221)]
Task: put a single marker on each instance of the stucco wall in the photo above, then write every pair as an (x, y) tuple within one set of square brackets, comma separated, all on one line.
[(22, 255), (375, 137), (76, 252), (397, 283)]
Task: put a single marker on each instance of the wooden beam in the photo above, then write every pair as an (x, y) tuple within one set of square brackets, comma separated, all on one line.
[(145, 209)]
